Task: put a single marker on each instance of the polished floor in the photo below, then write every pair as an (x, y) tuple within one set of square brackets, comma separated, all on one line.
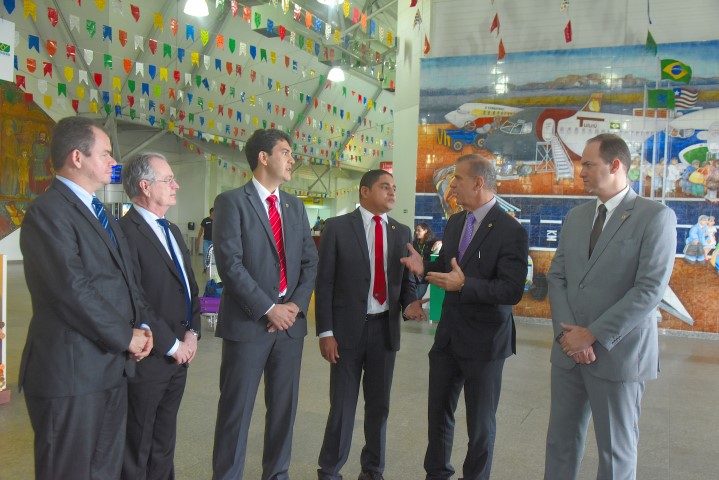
[(679, 424)]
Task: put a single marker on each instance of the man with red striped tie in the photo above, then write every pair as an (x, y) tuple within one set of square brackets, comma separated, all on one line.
[(267, 260)]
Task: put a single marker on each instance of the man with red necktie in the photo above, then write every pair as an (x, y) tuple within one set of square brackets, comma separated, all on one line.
[(267, 260), (361, 290)]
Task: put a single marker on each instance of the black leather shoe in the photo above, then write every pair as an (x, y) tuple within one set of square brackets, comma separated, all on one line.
[(370, 476)]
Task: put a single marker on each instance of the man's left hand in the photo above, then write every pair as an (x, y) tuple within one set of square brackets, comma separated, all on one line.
[(414, 311), (451, 281), (575, 339)]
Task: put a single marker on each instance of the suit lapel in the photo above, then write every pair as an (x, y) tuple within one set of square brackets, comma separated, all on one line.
[(254, 198), (393, 248), (482, 231), (361, 235), (622, 212), (147, 232)]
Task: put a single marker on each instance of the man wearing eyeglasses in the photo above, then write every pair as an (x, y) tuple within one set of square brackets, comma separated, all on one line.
[(162, 268)]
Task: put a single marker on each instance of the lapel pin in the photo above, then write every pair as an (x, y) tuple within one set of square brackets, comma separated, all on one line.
[(624, 216), (489, 226), (287, 205), (393, 227)]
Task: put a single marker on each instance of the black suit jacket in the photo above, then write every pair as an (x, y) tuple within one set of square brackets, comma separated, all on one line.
[(478, 322), (343, 279), (163, 288), (84, 298)]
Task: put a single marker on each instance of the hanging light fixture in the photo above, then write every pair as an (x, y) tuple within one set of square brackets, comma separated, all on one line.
[(336, 74), (330, 3), (196, 8)]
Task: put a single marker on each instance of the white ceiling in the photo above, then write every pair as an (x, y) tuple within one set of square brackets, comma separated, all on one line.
[(283, 85)]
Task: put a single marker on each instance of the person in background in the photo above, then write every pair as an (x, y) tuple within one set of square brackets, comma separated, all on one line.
[(267, 260), (205, 233), (423, 242), (361, 290), (482, 268), (162, 267), (608, 275), (85, 303)]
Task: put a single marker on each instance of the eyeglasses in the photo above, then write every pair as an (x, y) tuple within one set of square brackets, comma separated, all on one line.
[(168, 181)]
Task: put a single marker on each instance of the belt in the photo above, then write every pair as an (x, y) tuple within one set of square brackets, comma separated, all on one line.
[(377, 316)]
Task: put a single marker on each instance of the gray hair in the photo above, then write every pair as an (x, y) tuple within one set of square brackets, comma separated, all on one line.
[(138, 168), (480, 166)]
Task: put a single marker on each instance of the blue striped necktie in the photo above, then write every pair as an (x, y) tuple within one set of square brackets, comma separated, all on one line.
[(102, 216), (166, 227)]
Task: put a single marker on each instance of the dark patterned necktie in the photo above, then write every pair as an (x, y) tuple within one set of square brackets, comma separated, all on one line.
[(102, 216), (166, 228), (597, 228), (467, 237)]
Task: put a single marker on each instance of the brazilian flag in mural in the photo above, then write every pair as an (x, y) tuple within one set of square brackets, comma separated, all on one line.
[(676, 70)]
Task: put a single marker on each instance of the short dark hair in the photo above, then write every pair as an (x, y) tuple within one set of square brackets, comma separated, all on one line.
[(138, 168), (263, 140), (370, 178), (612, 146), (212, 210), (72, 133), (480, 166)]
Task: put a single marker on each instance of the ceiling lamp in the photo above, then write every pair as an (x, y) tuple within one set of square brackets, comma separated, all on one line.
[(196, 8), (331, 3), (336, 74)]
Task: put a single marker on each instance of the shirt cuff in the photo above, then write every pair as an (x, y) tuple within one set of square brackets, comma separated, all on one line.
[(174, 348), (328, 333)]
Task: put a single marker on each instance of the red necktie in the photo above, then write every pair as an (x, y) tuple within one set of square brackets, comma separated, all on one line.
[(276, 224), (379, 290)]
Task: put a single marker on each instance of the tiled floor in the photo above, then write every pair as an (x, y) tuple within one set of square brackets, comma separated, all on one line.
[(679, 424)]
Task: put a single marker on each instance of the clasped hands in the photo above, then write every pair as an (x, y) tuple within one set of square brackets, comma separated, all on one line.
[(282, 316), (451, 281), (140, 344), (576, 342)]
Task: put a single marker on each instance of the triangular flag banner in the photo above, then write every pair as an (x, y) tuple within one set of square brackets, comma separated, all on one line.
[(427, 47), (650, 45), (502, 52), (495, 24), (568, 32)]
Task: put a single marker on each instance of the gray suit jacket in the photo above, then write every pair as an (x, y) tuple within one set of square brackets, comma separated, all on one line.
[(616, 291), (343, 279), (84, 299), (249, 265)]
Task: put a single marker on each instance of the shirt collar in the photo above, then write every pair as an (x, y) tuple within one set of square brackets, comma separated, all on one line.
[(614, 202), (482, 211), (149, 217), (367, 216), (263, 192), (81, 193)]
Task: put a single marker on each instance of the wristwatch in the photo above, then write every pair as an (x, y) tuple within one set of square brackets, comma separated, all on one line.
[(194, 332)]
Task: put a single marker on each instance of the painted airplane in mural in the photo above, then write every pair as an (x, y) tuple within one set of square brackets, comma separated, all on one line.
[(538, 134), (472, 116)]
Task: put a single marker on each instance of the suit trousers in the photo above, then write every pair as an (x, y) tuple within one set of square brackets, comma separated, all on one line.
[(615, 407), (152, 426), (373, 357), (278, 356), (79, 437), (482, 382)]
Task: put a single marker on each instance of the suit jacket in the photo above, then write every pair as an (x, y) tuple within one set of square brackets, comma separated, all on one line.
[(249, 265), (163, 288), (344, 276), (478, 323), (84, 298), (616, 291)]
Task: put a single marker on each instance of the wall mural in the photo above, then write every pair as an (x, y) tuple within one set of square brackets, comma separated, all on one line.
[(532, 114), (25, 167)]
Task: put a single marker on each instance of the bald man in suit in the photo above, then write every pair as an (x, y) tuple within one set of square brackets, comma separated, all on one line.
[(608, 275)]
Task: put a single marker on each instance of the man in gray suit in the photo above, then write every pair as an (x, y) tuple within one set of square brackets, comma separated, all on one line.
[(607, 277), (361, 290), (267, 261), (85, 302)]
